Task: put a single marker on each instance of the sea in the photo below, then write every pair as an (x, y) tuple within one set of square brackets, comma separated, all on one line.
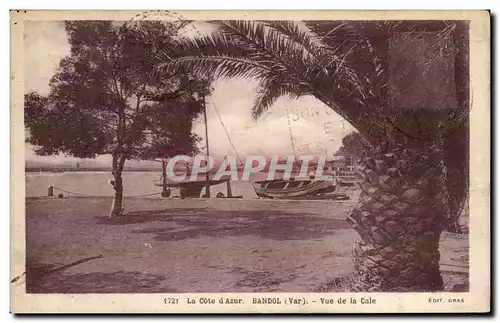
[(95, 183)]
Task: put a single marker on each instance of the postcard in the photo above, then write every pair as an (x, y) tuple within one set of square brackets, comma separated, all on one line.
[(250, 162)]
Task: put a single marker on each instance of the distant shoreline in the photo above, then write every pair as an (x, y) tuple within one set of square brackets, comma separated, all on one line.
[(62, 170)]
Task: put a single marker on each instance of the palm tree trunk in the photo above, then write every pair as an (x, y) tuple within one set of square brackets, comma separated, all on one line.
[(456, 145), (399, 218)]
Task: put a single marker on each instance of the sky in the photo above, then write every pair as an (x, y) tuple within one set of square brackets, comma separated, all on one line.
[(303, 126)]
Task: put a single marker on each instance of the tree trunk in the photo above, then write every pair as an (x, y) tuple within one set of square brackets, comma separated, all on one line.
[(399, 218), (117, 205)]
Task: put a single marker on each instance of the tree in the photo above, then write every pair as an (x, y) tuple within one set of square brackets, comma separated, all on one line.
[(387, 78), (104, 98), (170, 130), (353, 145)]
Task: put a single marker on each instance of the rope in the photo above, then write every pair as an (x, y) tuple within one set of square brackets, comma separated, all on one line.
[(227, 132), (69, 192), (81, 194), (144, 195), (290, 129)]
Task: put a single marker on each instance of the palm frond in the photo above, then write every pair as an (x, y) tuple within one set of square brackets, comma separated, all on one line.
[(271, 90), (216, 66), (300, 35), (264, 43), (220, 45), (280, 44), (365, 42), (333, 61), (245, 50)]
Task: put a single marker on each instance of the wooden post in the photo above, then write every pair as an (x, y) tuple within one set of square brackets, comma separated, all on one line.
[(164, 192), (50, 191), (229, 192)]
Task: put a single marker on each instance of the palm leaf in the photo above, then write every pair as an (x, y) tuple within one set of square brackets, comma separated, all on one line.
[(265, 44), (304, 40), (341, 64), (271, 90)]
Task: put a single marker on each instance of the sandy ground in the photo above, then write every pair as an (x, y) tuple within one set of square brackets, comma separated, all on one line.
[(198, 245)]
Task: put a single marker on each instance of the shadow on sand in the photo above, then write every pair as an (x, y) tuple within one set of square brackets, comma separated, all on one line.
[(115, 282), (188, 223), (50, 278)]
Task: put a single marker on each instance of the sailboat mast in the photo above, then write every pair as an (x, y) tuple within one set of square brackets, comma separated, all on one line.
[(290, 130), (207, 187)]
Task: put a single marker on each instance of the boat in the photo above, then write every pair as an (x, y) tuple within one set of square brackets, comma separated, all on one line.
[(309, 188), (192, 188), (297, 187), (346, 176), (278, 188), (189, 188), (294, 188)]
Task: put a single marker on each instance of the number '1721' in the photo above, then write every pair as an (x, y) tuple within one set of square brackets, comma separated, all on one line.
[(171, 300)]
